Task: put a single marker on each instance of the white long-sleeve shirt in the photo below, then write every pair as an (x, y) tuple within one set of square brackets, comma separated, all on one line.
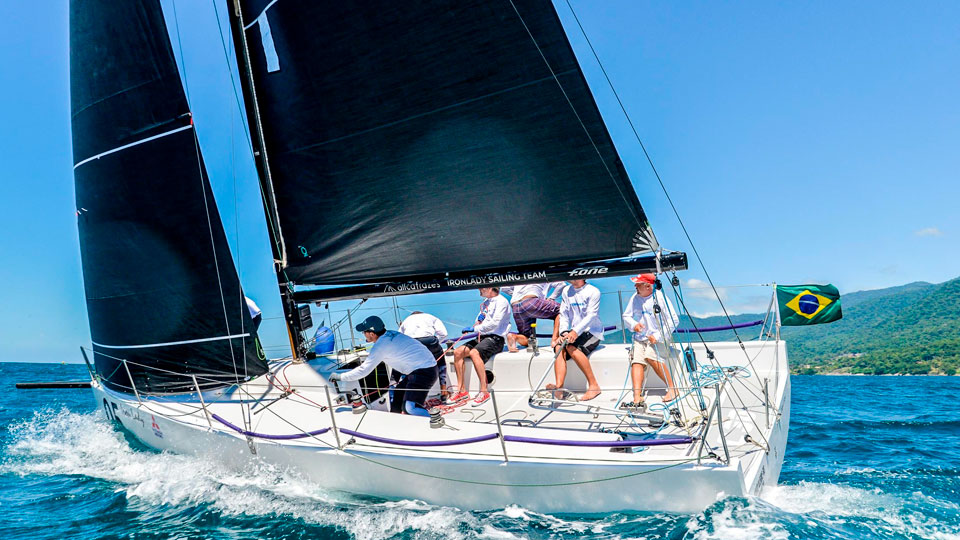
[(640, 310), (580, 310), (496, 317), (398, 351), (519, 292), (421, 325)]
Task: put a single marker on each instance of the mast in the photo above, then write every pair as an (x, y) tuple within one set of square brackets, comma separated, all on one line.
[(278, 247)]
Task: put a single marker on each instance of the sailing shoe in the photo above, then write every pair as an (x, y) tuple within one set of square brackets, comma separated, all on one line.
[(458, 397), (481, 398)]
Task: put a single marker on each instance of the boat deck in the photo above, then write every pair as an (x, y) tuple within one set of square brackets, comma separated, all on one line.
[(293, 400), (497, 453)]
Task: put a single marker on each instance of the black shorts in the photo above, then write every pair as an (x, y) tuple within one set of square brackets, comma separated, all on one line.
[(586, 343), (488, 345), (413, 387)]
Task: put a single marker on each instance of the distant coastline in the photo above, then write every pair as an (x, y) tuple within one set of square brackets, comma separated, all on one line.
[(912, 329), (841, 374)]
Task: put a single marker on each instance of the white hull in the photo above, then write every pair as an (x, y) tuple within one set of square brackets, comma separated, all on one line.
[(544, 478)]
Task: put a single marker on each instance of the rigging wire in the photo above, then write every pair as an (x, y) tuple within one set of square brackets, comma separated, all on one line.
[(636, 218), (662, 187), (206, 203), (655, 172), (233, 83), (183, 65)]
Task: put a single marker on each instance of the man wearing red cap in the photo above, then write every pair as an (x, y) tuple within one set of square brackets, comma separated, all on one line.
[(651, 332)]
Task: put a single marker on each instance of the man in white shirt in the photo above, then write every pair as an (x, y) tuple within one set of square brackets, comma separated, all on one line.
[(402, 354), (430, 331), (651, 335), (580, 333), (529, 303), (491, 326)]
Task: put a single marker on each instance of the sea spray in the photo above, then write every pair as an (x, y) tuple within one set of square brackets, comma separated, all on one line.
[(850, 472)]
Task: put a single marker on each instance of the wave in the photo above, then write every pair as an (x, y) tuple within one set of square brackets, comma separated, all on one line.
[(823, 510), (170, 488), (951, 426), (67, 443)]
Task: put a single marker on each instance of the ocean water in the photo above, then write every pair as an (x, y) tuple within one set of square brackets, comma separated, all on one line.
[(868, 457)]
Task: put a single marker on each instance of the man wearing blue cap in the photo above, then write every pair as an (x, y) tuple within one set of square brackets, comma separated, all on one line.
[(402, 354)]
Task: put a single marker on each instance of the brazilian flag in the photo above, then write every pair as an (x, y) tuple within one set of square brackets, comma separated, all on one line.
[(808, 304)]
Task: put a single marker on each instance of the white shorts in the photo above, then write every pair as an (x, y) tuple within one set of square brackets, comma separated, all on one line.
[(644, 351)]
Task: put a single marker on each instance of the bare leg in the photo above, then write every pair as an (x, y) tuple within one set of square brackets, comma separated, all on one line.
[(512, 342), (637, 371), (458, 355), (559, 371), (481, 370), (522, 340), (661, 370), (593, 387)]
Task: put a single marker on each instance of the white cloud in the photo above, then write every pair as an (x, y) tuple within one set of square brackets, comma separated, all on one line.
[(929, 231), (705, 314), (697, 288)]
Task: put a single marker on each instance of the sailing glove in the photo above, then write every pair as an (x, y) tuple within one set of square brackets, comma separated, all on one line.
[(335, 377)]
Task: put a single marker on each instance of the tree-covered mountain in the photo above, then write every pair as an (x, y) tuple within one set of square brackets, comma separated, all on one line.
[(910, 329)]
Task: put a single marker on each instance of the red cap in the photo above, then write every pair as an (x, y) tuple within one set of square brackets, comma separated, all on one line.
[(644, 278)]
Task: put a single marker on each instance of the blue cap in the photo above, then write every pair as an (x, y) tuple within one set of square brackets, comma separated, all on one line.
[(371, 324)]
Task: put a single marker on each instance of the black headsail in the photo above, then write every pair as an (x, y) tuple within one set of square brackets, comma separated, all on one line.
[(409, 140), (162, 290)]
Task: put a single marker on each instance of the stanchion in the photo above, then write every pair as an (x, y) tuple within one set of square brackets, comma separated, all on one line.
[(496, 414), (333, 417), (203, 404), (132, 384)]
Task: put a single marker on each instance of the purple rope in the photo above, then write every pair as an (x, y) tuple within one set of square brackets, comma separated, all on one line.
[(717, 328), (266, 436), (402, 442), (602, 444)]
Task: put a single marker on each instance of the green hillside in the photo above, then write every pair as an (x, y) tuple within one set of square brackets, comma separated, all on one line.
[(910, 329)]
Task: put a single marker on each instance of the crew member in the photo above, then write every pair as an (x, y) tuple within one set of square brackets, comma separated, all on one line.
[(580, 333), (529, 303), (491, 326), (400, 353), (430, 331), (651, 334)]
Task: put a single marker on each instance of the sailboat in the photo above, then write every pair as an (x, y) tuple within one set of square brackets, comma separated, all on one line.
[(399, 123)]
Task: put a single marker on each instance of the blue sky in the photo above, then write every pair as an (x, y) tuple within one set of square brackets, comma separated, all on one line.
[(805, 142)]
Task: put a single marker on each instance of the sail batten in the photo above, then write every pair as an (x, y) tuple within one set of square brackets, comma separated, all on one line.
[(161, 287), (131, 145), (169, 343), (395, 129)]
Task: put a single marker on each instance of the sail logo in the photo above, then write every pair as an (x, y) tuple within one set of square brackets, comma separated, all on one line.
[(808, 304), (588, 271), (496, 279), (411, 286)]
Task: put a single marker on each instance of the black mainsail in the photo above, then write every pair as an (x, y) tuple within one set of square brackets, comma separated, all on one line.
[(162, 290), (412, 141)]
